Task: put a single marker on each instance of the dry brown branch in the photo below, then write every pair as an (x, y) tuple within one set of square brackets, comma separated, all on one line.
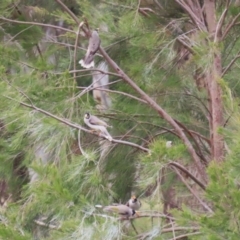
[(229, 26), (151, 103), (228, 67), (75, 52), (183, 169), (200, 25), (95, 70), (37, 24), (48, 225), (118, 92), (220, 23), (205, 206), (76, 126)]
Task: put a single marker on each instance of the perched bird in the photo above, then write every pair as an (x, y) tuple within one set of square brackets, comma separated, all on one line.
[(93, 45), (121, 210), (134, 203), (98, 125), (168, 144)]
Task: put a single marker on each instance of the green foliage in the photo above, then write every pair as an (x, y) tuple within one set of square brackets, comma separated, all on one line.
[(70, 177)]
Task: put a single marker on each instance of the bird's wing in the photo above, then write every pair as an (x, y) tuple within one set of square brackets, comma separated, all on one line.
[(94, 42), (93, 45), (96, 121)]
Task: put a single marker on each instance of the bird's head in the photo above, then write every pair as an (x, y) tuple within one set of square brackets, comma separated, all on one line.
[(134, 198), (87, 115)]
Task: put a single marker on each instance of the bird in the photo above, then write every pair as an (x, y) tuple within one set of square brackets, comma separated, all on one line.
[(134, 203), (168, 144), (93, 46), (121, 209), (98, 125)]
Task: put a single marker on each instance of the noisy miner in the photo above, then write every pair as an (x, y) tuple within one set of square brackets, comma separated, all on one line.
[(168, 144), (134, 203), (121, 209), (93, 46), (98, 125)]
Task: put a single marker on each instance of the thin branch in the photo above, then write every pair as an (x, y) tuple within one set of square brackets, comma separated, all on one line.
[(205, 206), (65, 8), (220, 22), (228, 67), (75, 52), (185, 236), (151, 215), (76, 126), (200, 25), (48, 225), (119, 92), (229, 26), (151, 103), (134, 228), (183, 169), (37, 24), (95, 70)]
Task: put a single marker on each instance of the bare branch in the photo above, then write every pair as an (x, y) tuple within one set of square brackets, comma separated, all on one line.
[(200, 25), (119, 92), (152, 104), (205, 206), (76, 126), (228, 67), (220, 22), (229, 26), (183, 169), (48, 225), (75, 52), (37, 24), (95, 70)]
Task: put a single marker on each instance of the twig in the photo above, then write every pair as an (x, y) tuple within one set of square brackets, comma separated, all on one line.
[(192, 15), (65, 8), (184, 236), (95, 70), (75, 52), (134, 228), (183, 169), (40, 223), (230, 25), (119, 92), (228, 67), (151, 103), (220, 23), (37, 24), (205, 206), (151, 215), (76, 126)]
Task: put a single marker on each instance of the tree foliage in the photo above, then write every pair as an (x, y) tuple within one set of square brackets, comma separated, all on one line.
[(176, 79)]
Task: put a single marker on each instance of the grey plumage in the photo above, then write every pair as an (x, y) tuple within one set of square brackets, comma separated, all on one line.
[(97, 124), (93, 46), (134, 203), (121, 210)]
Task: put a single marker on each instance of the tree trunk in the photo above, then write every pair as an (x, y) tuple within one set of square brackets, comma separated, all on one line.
[(214, 90)]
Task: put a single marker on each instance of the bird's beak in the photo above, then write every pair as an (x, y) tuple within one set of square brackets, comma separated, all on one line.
[(137, 214)]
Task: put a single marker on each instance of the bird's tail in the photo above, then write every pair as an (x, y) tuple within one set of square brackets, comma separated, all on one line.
[(106, 134)]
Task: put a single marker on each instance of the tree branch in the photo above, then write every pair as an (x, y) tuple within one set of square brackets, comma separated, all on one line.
[(75, 52), (37, 24), (205, 206), (229, 26), (183, 169), (151, 103), (192, 15), (76, 126), (228, 67)]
